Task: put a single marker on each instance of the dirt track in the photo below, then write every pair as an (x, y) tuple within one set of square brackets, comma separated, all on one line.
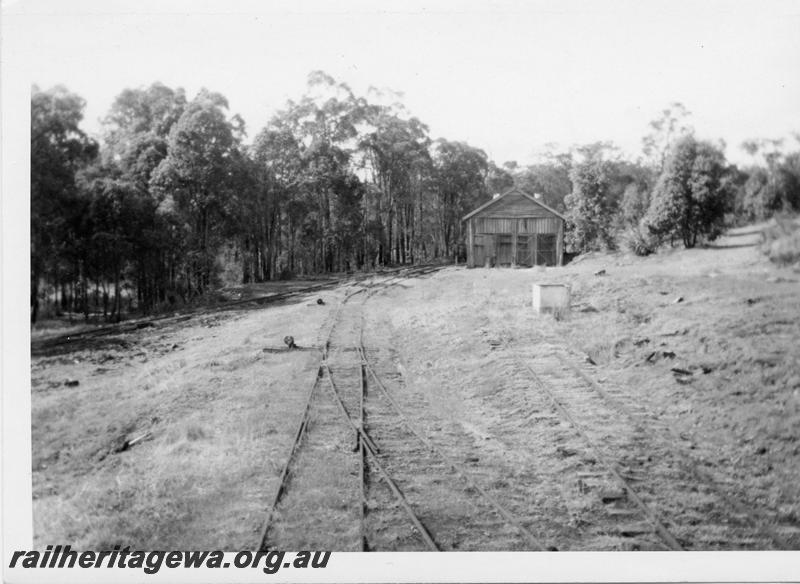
[(467, 359)]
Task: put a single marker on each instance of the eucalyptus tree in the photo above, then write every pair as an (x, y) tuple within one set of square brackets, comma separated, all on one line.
[(59, 149), (115, 224), (499, 179), (304, 160), (671, 125), (460, 173), (136, 134), (196, 179), (398, 155), (548, 176)]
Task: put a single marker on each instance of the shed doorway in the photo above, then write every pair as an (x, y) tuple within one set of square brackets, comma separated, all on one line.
[(536, 250), (545, 251), (525, 250), (479, 250), (504, 249)]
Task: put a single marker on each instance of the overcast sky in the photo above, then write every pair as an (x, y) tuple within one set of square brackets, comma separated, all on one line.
[(504, 76)]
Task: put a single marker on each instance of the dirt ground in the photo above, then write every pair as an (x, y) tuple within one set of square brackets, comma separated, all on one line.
[(724, 317), (217, 411), (703, 345)]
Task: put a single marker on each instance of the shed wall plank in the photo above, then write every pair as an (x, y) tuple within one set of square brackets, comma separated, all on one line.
[(514, 215)]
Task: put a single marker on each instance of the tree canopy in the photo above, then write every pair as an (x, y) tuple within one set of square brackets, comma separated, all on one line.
[(591, 204), (691, 196), (59, 149), (173, 203)]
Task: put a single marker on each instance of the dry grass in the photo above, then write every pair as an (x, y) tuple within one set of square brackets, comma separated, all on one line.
[(725, 315), (222, 412), (220, 416), (736, 330)]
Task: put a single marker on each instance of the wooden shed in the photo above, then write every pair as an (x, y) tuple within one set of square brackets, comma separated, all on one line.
[(515, 229)]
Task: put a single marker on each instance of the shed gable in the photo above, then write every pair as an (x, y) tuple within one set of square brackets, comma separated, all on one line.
[(514, 205)]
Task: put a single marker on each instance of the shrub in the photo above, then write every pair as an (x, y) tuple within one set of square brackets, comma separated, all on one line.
[(639, 240), (781, 242)]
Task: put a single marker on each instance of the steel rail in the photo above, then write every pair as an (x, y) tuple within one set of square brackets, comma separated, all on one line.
[(301, 429), (415, 271), (284, 478), (362, 462), (368, 447), (365, 443), (532, 539), (135, 324), (662, 531), (699, 474)]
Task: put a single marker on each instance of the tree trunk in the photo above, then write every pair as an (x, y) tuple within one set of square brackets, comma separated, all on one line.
[(115, 313), (246, 261), (35, 297), (206, 276), (85, 291)]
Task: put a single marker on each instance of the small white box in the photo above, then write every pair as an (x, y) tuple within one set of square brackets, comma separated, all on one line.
[(551, 298)]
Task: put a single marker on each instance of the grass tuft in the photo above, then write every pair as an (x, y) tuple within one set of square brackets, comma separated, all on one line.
[(195, 432)]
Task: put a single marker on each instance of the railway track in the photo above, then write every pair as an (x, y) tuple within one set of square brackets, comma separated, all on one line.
[(757, 519), (460, 514), (301, 516), (398, 490), (66, 341), (658, 486), (185, 314)]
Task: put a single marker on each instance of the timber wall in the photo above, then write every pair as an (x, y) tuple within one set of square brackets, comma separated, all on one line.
[(515, 231)]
